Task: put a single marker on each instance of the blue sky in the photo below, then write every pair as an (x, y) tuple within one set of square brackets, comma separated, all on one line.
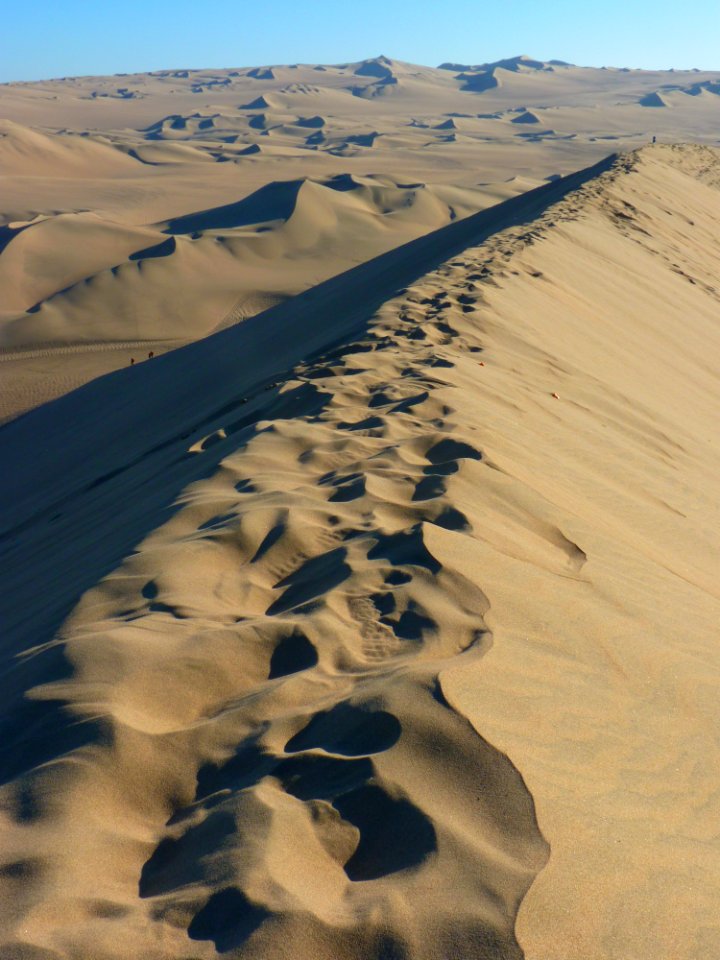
[(52, 38)]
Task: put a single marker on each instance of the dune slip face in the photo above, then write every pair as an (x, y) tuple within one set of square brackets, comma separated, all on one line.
[(384, 623)]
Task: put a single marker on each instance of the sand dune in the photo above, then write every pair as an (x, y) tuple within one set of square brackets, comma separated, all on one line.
[(386, 624), (121, 290), (375, 616), (87, 157), (526, 116), (652, 100), (148, 286), (28, 152)]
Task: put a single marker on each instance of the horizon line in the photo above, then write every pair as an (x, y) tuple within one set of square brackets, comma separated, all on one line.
[(339, 63)]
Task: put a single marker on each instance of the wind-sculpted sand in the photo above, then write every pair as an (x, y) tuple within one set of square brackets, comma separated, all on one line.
[(139, 213), (384, 624)]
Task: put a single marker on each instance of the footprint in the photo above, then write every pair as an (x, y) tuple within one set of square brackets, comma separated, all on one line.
[(377, 641), (150, 592), (302, 401), (384, 603), (247, 766), (317, 373), (441, 469), (417, 333), (158, 607), (380, 399), (177, 861), (353, 489)]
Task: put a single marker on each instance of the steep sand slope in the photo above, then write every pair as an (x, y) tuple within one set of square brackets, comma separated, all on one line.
[(457, 572)]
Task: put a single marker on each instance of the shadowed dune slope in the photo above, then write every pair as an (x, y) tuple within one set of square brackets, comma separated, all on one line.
[(276, 201), (384, 624)]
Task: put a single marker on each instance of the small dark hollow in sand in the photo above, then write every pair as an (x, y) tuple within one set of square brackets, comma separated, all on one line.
[(312, 579), (349, 731), (448, 449), (396, 577), (150, 590), (228, 919), (384, 603), (441, 469), (248, 765), (217, 521), (452, 519), (380, 399), (163, 249), (369, 423), (406, 548), (394, 834), (268, 541), (350, 487), (291, 655), (314, 777), (410, 624), (428, 488), (410, 402), (245, 486), (159, 607)]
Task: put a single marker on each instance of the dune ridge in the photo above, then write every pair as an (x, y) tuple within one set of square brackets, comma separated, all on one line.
[(91, 167), (383, 632)]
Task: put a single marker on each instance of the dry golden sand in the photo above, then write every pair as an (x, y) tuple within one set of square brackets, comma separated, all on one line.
[(390, 615), (142, 212)]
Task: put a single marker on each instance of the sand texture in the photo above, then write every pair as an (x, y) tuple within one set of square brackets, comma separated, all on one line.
[(142, 212), (383, 625)]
